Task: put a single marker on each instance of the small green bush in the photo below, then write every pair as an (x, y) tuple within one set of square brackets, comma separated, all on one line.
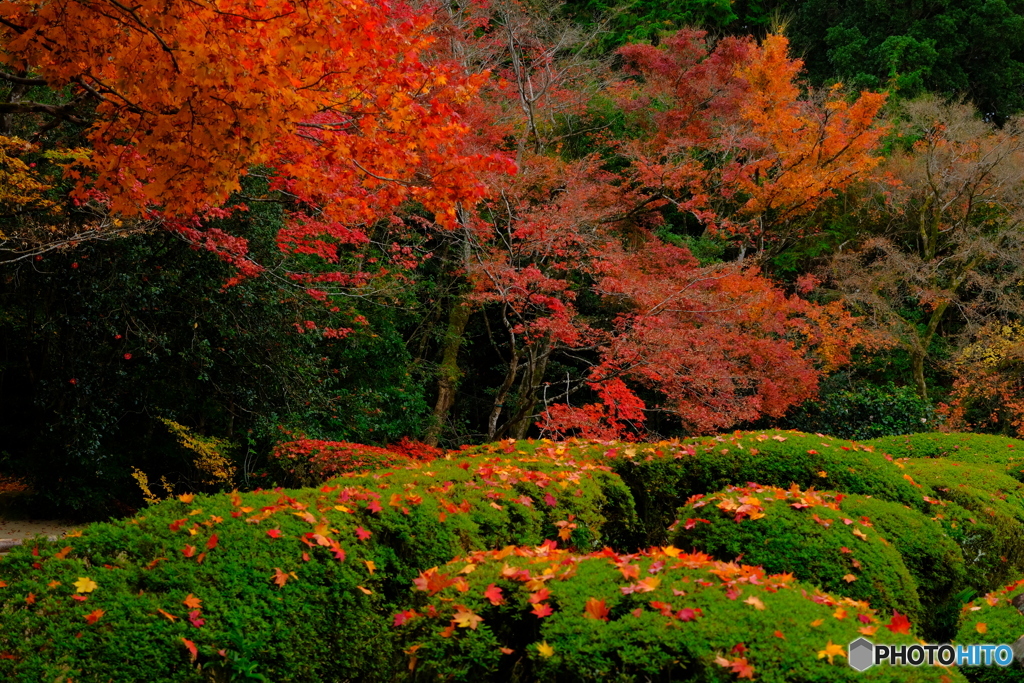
[(864, 412), (293, 585), (806, 533), (658, 615)]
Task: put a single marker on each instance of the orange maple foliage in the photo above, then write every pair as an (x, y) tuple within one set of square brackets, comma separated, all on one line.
[(190, 95)]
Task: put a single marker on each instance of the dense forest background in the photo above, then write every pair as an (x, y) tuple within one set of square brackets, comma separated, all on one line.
[(666, 219)]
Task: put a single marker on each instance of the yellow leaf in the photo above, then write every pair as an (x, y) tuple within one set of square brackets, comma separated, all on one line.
[(868, 630), (85, 585), (840, 613), (545, 650), (370, 566), (831, 650), (849, 578)]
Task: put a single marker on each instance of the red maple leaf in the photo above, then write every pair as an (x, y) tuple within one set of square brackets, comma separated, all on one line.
[(195, 619), (899, 623), (274, 533), (362, 533), (542, 609), (94, 616), (212, 543), (493, 593)]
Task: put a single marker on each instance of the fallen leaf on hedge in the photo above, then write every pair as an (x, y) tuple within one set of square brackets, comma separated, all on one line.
[(63, 553), (191, 647), (739, 666), (79, 598), (3, 584), (756, 602), (466, 619), (981, 627), (671, 551), (342, 508), (188, 551), (187, 498), (366, 591), (860, 534), (822, 473), (550, 500), (212, 543), (167, 615), (817, 622), (279, 577), (778, 438), (778, 634), (596, 609), (274, 533), (370, 566), (545, 650), (868, 630), (542, 610), (849, 578), (540, 596), (362, 533), (53, 584), (195, 619), (831, 650), (192, 602), (899, 623), (840, 613), (493, 593), (374, 507), (85, 585), (506, 650), (30, 599), (94, 616), (405, 616)]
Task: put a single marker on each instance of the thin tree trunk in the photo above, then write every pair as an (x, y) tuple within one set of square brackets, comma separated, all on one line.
[(449, 372)]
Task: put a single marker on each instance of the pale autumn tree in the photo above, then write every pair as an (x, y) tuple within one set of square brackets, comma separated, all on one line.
[(949, 255)]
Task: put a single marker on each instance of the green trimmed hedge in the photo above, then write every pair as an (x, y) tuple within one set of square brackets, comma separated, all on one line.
[(994, 618), (996, 452), (276, 595), (305, 585), (657, 615), (809, 534)]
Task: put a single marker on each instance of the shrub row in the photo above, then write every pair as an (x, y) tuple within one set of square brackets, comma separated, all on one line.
[(305, 585)]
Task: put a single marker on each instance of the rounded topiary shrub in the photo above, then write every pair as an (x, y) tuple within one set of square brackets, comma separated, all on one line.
[(663, 475), (544, 614), (805, 533), (982, 510), (998, 617), (310, 462), (293, 585)]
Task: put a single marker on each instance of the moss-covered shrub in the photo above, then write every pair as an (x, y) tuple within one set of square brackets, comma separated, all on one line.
[(525, 614), (983, 513), (998, 617), (663, 475), (295, 585), (805, 533), (995, 452)]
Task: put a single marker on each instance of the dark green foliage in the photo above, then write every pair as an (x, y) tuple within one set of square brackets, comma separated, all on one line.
[(692, 619), (865, 412), (98, 343), (319, 625), (813, 542)]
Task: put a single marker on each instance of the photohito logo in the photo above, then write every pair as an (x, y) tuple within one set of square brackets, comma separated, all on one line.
[(863, 654)]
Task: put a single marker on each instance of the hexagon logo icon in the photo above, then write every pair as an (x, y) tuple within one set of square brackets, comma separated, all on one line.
[(862, 654)]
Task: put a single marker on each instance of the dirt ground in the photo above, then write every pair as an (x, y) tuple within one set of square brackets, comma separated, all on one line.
[(28, 528)]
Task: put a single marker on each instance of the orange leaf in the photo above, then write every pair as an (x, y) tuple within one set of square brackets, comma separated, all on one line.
[(167, 615), (981, 627), (94, 616), (192, 602), (191, 647), (596, 609)]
